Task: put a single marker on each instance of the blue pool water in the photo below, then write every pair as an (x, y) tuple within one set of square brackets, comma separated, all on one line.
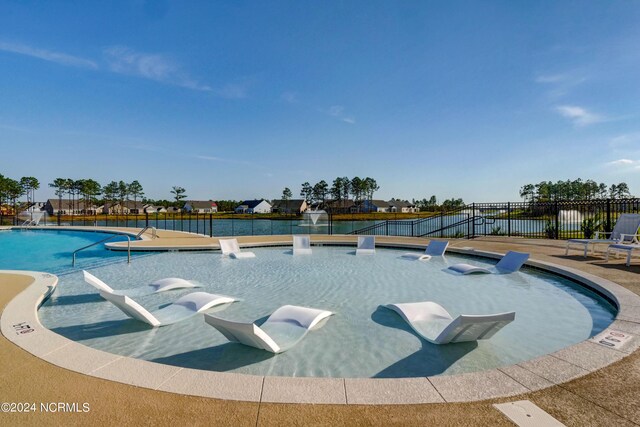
[(51, 250), (361, 340)]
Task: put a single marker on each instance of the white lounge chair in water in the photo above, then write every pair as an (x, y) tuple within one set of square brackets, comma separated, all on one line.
[(183, 308), (433, 323), (434, 248), (625, 231), (230, 248), (366, 245), (301, 245), (282, 330), (168, 284), (510, 263), (623, 248)]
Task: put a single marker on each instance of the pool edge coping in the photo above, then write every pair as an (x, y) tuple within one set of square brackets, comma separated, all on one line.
[(532, 375)]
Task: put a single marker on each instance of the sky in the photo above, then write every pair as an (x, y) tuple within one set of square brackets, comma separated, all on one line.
[(240, 99)]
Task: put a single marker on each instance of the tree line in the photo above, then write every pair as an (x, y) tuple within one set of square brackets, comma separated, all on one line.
[(547, 191), (11, 190), (342, 187)]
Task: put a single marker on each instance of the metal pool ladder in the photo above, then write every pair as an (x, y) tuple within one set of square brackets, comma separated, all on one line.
[(73, 263)]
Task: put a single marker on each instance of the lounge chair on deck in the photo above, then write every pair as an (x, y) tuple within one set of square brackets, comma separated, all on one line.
[(284, 328), (510, 263), (434, 248), (301, 245), (183, 308), (623, 248), (162, 285), (625, 231), (230, 248), (433, 323), (366, 245)]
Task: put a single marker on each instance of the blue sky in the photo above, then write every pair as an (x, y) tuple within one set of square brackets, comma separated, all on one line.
[(235, 99)]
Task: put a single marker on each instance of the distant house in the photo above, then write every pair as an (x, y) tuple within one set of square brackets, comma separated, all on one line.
[(375, 206), (173, 210), (293, 206), (402, 206), (151, 209), (340, 206), (124, 208), (198, 206), (254, 206), (69, 207)]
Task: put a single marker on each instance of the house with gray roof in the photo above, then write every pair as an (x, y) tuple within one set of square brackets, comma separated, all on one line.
[(69, 207), (375, 206), (402, 206), (292, 206)]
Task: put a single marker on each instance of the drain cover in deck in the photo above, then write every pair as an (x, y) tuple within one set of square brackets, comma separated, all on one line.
[(526, 414)]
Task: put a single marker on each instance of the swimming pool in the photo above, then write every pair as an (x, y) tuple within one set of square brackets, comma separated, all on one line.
[(52, 250), (361, 340)]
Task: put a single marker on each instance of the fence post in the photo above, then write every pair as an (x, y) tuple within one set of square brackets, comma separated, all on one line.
[(386, 228), (509, 219), (146, 219), (608, 224), (557, 220), (473, 220), (210, 225)]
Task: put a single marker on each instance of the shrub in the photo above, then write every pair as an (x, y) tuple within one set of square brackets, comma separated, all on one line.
[(551, 230), (590, 225)]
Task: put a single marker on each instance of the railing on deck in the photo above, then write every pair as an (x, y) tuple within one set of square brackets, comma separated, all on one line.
[(556, 220)]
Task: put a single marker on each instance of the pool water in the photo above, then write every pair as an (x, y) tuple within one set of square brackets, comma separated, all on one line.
[(362, 339), (52, 250)]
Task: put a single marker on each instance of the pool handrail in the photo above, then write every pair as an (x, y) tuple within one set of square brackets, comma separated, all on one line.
[(154, 232), (73, 263)]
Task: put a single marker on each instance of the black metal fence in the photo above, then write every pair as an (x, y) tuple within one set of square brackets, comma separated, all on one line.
[(555, 220), (552, 220)]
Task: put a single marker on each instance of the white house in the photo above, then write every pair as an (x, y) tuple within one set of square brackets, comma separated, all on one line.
[(402, 206), (199, 206), (154, 209), (375, 206), (254, 206)]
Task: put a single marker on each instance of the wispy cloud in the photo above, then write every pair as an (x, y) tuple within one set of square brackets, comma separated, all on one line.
[(153, 66), (622, 162), (625, 140), (290, 97), (222, 160), (233, 91), (16, 128), (561, 78), (48, 55), (624, 165), (337, 111), (579, 116), (560, 84)]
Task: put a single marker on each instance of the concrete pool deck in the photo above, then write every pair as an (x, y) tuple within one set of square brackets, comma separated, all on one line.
[(604, 396)]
